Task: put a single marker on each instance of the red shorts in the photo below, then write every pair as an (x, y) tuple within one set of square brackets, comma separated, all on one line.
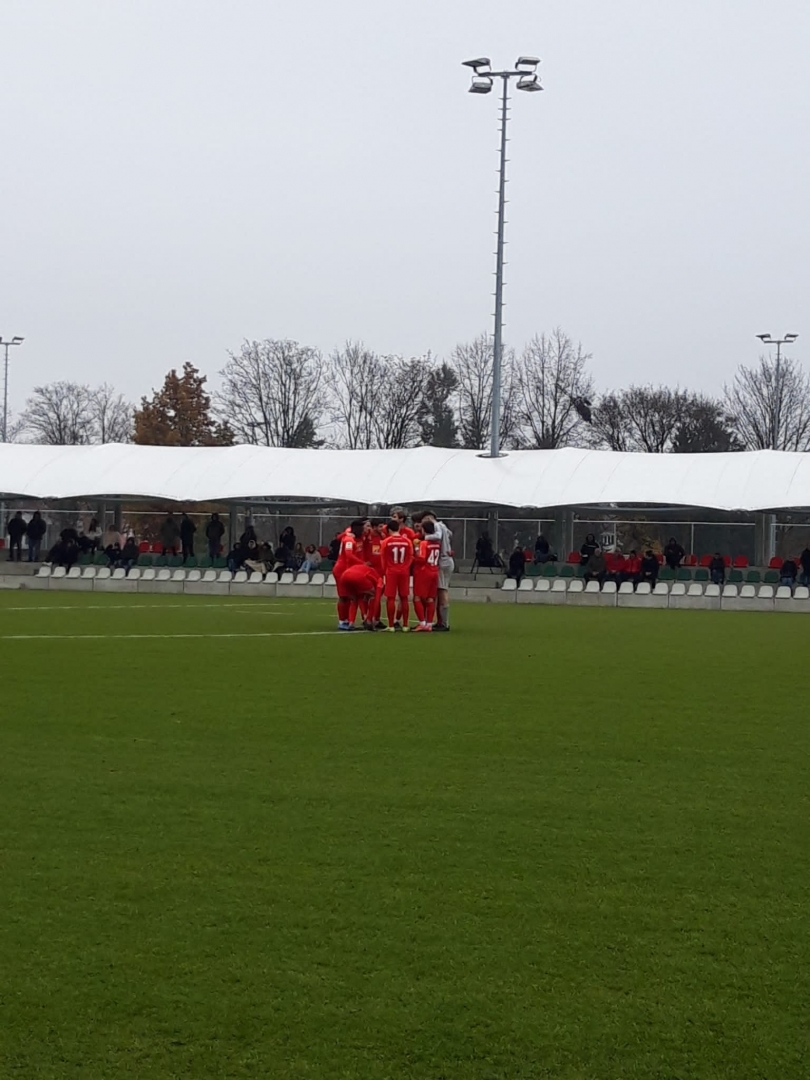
[(426, 584), (357, 581), (397, 585)]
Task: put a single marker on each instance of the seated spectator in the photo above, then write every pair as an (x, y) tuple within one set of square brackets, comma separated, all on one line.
[(129, 554), (64, 553), (673, 554), (252, 559), (113, 553), (69, 533), (804, 562), (236, 556), (717, 569), (91, 536), (632, 568), (649, 568), (596, 567), (542, 550), (517, 564), (788, 573), (586, 552), (297, 558), (616, 566), (334, 548), (312, 559)]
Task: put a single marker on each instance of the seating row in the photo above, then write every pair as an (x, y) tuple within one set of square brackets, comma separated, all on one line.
[(213, 582), (677, 595)]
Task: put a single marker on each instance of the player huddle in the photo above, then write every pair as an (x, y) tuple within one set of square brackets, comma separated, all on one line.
[(380, 559)]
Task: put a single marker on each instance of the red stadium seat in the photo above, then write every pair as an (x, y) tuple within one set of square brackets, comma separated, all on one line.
[(727, 561), (528, 554), (157, 549), (143, 547), (775, 563), (740, 562), (705, 560), (573, 558), (323, 551), (690, 560)]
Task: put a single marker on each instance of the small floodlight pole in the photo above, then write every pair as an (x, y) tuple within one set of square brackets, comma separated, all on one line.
[(482, 82), (776, 419), (7, 345)]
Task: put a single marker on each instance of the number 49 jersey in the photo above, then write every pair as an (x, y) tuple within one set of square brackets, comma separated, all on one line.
[(397, 554)]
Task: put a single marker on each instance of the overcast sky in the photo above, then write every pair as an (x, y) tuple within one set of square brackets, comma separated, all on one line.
[(180, 174)]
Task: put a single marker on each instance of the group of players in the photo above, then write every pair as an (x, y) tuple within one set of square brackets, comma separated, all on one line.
[(379, 560)]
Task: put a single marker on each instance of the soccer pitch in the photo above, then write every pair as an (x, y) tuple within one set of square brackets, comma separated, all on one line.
[(554, 843)]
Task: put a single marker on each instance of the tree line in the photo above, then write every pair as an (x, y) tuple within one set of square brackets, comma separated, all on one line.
[(282, 393)]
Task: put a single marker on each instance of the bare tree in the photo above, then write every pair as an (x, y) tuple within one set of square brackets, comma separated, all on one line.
[(111, 415), (472, 363), (769, 406), (705, 428), (272, 393), (355, 383), (438, 420), (401, 405), (641, 418), (60, 414), (551, 386)]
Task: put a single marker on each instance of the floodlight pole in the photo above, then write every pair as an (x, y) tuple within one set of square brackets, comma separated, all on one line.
[(7, 345), (776, 419), (525, 73)]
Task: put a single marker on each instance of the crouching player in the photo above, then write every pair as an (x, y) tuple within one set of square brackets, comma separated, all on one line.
[(426, 576), (397, 556), (351, 554), (358, 586)]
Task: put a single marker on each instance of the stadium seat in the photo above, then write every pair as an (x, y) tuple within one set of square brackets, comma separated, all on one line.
[(712, 590), (678, 589), (771, 577), (576, 586), (119, 573), (748, 592), (701, 574), (100, 559), (740, 562), (44, 571), (302, 578), (765, 592), (178, 574), (144, 560), (103, 573), (753, 577), (801, 592), (510, 585), (240, 577), (59, 572), (164, 574), (85, 559), (271, 578), (643, 589), (160, 560), (286, 578), (254, 578), (209, 576), (559, 585), (592, 587), (225, 576), (683, 574), (567, 571), (705, 560), (550, 570), (191, 562), (175, 561), (330, 580), (148, 574), (730, 591), (775, 563), (573, 558), (220, 563), (543, 585), (134, 574), (661, 589), (526, 585), (690, 560), (89, 572), (317, 578), (143, 547), (666, 574), (157, 549), (735, 577), (204, 562), (327, 565), (74, 572), (194, 575), (784, 592), (609, 587), (626, 587)]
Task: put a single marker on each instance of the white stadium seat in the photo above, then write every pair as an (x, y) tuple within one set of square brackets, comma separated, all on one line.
[(510, 585), (240, 577), (543, 585), (104, 573), (765, 592), (801, 593), (318, 579), (179, 575), (712, 590), (784, 592), (643, 588), (748, 592), (592, 587), (149, 574), (89, 572), (164, 574), (559, 585), (609, 587), (209, 576), (678, 589), (695, 589), (225, 576), (287, 578), (134, 574), (626, 587), (271, 578), (331, 580), (59, 572), (661, 589), (730, 591), (74, 572), (194, 575), (526, 585), (119, 573), (44, 571), (577, 585), (302, 578)]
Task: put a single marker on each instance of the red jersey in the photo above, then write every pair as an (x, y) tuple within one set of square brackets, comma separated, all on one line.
[(397, 554), (373, 552), (428, 554), (359, 580), (351, 552)]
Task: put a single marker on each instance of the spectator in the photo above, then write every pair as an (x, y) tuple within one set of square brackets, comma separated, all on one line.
[(485, 553), (187, 530), (517, 564), (111, 536), (92, 535), (632, 568), (236, 556), (586, 552), (298, 557), (169, 535), (129, 554), (717, 569), (542, 550), (804, 561), (788, 573), (248, 535), (113, 553), (16, 529), (673, 554), (214, 531), (35, 531), (252, 558), (287, 538), (334, 548), (312, 559), (596, 567), (616, 565), (649, 569), (64, 553)]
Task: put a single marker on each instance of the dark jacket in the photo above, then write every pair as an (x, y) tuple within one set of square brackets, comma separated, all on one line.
[(673, 554), (517, 564), (215, 530), (16, 529), (804, 559), (789, 569), (36, 529), (187, 529), (649, 568)]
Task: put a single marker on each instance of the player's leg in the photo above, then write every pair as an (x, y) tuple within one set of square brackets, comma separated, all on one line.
[(419, 608), (353, 612), (391, 599), (404, 589), (430, 602)]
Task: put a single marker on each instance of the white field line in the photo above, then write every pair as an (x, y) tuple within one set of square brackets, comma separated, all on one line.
[(164, 637), (268, 609)]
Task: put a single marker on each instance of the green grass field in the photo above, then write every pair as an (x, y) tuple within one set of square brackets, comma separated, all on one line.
[(551, 844)]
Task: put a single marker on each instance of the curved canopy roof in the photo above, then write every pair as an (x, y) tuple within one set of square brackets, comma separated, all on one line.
[(764, 480)]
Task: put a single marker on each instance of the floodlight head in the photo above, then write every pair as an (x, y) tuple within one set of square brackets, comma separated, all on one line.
[(529, 82), (481, 84), (17, 340), (764, 337), (527, 62), (791, 337), (476, 65)]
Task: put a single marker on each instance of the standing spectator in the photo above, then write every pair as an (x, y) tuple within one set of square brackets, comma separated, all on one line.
[(35, 532), (586, 552), (111, 536), (804, 561), (788, 573), (312, 559), (169, 535), (517, 564), (287, 538), (93, 536), (673, 554), (542, 550), (717, 569), (214, 531), (187, 530), (248, 535), (16, 529), (649, 569)]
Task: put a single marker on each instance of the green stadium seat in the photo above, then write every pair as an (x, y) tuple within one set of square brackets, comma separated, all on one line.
[(735, 577), (701, 574), (753, 577), (100, 559), (550, 569), (204, 563), (684, 574), (191, 562), (666, 574), (175, 561), (85, 559), (144, 560), (326, 566), (161, 560), (771, 577), (220, 563), (531, 570), (567, 571)]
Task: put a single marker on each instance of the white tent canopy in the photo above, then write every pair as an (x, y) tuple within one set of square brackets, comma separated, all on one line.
[(765, 480)]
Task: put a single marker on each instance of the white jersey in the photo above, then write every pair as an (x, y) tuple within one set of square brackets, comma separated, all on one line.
[(445, 554)]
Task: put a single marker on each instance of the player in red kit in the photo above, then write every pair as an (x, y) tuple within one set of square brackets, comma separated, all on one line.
[(426, 577), (351, 554), (359, 586), (397, 556), (372, 545)]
